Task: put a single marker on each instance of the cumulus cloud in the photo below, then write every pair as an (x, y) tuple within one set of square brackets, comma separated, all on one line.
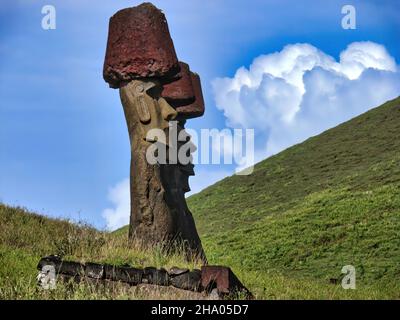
[(299, 92), (119, 215)]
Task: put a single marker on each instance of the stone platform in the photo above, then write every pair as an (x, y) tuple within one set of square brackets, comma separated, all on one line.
[(211, 281)]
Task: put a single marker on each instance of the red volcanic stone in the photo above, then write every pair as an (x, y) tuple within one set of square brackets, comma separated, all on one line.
[(180, 92), (139, 45), (195, 109), (222, 279)]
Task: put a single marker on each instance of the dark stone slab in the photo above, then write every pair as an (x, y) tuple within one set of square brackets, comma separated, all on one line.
[(52, 260), (209, 280), (187, 281), (109, 271), (176, 271), (65, 267), (195, 109), (71, 268), (130, 275), (94, 270), (156, 276), (139, 45)]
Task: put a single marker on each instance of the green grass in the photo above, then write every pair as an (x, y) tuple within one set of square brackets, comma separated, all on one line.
[(330, 201), (26, 237), (286, 230)]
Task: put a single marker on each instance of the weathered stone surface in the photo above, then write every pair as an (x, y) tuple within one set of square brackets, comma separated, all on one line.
[(175, 271), (159, 213), (52, 260), (139, 45), (130, 275), (222, 279), (94, 270), (180, 92), (71, 268), (139, 58), (155, 276), (144, 290), (195, 109), (109, 271), (214, 281), (187, 281)]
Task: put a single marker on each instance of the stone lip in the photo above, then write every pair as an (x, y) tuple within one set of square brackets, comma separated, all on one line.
[(139, 45), (209, 279)]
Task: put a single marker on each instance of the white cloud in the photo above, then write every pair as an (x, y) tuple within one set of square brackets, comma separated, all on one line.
[(120, 197), (290, 95), (362, 55)]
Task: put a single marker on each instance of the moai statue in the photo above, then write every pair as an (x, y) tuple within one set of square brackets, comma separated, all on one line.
[(155, 90)]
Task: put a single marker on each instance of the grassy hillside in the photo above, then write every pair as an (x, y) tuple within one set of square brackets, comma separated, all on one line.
[(330, 201), (26, 237), (286, 230)]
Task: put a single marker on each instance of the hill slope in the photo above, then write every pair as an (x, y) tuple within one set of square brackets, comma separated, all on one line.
[(330, 201)]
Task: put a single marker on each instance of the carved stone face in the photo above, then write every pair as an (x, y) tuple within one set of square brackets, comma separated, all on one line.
[(144, 107)]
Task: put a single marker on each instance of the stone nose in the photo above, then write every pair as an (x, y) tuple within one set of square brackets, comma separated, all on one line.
[(168, 113)]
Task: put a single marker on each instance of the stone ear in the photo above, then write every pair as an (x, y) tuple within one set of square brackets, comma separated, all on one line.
[(142, 109)]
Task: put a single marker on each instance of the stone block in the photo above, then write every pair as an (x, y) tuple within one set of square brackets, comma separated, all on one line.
[(139, 46), (222, 279), (71, 268), (187, 281), (52, 260), (94, 270), (155, 276), (176, 271), (126, 274)]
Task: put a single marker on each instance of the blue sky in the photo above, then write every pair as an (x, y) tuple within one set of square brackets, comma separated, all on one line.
[(63, 140)]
